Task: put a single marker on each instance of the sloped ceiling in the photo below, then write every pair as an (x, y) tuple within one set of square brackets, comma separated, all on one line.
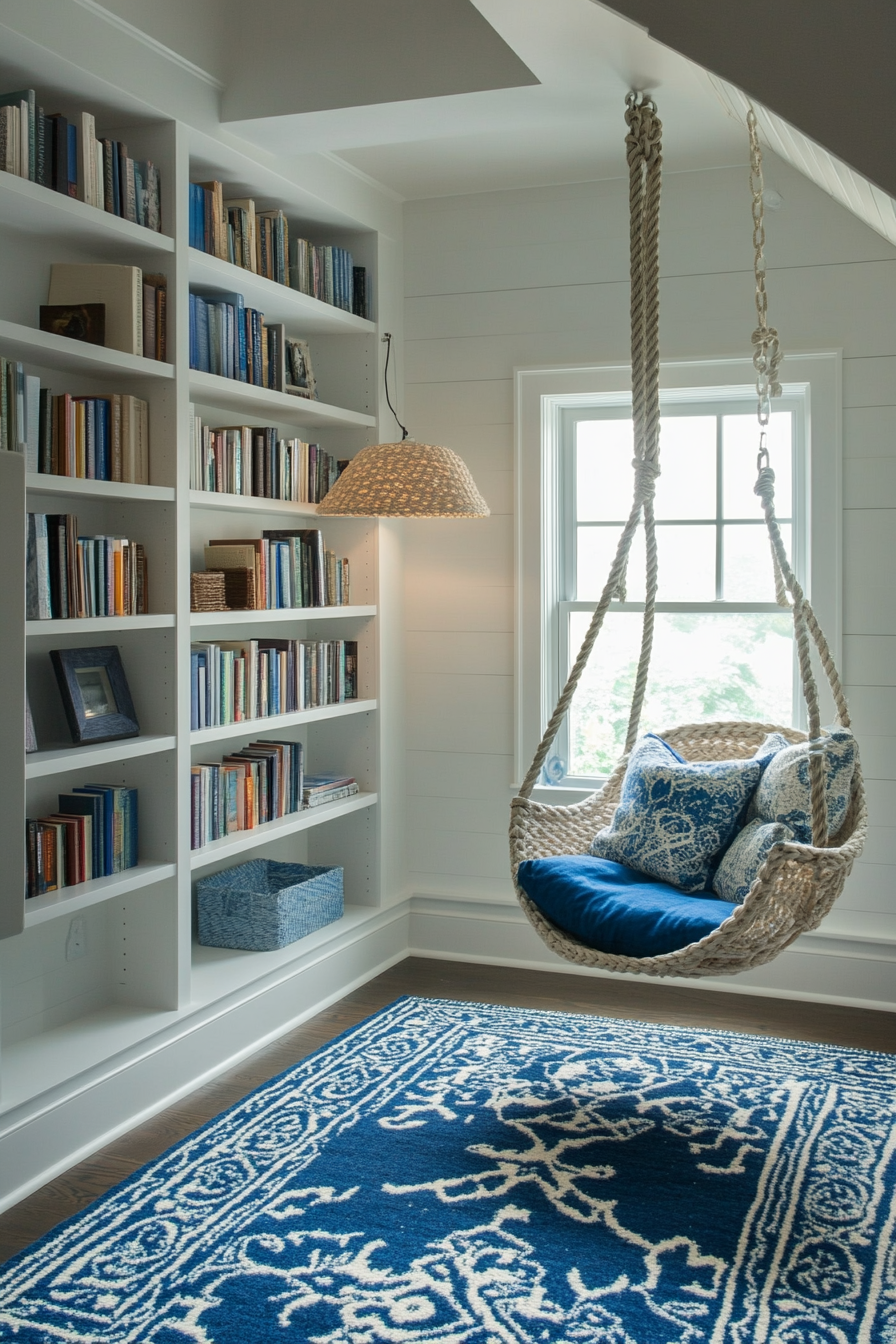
[(824, 66)]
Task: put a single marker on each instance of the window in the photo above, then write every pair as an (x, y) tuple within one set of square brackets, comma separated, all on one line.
[(722, 647)]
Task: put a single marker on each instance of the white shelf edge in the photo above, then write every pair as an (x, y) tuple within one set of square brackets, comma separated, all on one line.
[(242, 841), (57, 760), (32, 345), (279, 303), (200, 619), (277, 721), (30, 205), (213, 499), (212, 389), (97, 624), (40, 909), (43, 483), (218, 971)]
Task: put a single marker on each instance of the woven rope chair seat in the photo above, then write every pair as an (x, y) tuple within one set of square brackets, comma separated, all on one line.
[(794, 890)]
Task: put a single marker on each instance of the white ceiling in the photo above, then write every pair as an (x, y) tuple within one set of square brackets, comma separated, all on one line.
[(567, 127)]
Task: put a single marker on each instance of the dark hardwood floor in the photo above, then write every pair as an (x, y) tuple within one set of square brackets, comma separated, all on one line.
[(647, 1000)]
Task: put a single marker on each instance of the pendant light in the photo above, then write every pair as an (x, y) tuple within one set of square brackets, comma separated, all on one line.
[(404, 480)]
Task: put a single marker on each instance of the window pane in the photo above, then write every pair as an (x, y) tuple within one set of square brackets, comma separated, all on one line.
[(748, 574), (686, 486), (604, 479), (686, 556), (704, 667), (687, 564), (740, 446)]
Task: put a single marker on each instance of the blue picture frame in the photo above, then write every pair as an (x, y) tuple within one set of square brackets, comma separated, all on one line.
[(95, 694)]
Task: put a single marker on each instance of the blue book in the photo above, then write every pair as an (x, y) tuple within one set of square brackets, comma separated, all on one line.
[(194, 691), (257, 374), (194, 334), (90, 436), (130, 856), (72, 159), (203, 335), (116, 180), (103, 454), (107, 824)]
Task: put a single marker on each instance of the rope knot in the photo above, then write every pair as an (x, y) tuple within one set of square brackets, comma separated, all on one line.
[(646, 473), (765, 486)]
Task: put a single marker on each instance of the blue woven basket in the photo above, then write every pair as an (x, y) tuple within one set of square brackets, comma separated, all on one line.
[(262, 905)]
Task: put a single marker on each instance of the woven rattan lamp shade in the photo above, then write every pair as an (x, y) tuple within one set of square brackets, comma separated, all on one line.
[(405, 480)]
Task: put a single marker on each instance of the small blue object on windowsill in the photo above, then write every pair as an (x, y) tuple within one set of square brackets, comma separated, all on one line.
[(263, 905)]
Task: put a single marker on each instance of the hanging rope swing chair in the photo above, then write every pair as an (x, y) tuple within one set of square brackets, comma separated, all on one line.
[(797, 883)]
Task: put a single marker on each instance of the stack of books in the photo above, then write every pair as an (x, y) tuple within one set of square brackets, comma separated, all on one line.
[(257, 678), (258, 240), (67, 157), (320, 789), (93, 834), (68, 577), (232, 341), (134, 305), (329, 274), (260, 783), (102, 438), (246, 460), (291, 568)]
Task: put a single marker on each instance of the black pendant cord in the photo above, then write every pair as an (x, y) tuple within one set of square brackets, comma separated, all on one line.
[(387, 337)]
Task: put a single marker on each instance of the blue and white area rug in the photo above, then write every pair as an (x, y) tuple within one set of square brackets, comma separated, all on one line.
[(460, 1174)]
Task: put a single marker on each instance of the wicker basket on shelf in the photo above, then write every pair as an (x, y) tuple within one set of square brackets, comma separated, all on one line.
[(207, 591)]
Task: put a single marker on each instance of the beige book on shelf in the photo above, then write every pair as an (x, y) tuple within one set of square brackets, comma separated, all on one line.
[(219, 219), (86, 164), (120, 288), (134, 440)]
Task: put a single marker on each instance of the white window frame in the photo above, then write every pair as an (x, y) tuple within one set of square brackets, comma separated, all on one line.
[(542, 395)]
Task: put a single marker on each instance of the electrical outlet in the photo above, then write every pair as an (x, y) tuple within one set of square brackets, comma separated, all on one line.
[(76, 942)]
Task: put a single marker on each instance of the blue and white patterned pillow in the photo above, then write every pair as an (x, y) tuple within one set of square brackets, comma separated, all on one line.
[(744, 857), (784, 794), (674, 815), (765, 753)]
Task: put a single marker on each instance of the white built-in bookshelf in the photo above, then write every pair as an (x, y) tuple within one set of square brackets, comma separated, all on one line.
[(141, 968)]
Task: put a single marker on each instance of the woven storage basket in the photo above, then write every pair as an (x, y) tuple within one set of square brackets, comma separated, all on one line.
[(239, 589), (263, 905), (207, 592)]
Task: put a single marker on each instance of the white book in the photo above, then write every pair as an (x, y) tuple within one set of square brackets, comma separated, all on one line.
[(86, 142), (120, 288)]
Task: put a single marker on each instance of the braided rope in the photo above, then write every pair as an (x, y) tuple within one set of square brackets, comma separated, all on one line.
[(645, 159), (797, 884)]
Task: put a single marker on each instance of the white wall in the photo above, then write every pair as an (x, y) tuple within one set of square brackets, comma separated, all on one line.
[(539, 277)]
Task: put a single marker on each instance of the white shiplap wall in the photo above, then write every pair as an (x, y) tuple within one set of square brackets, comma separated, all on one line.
[(539, 277)]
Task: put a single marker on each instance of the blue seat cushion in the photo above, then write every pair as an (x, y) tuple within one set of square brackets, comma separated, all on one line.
[(614, 909)]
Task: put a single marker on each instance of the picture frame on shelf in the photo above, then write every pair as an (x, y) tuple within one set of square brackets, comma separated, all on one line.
[(95, 694), (299, 375)]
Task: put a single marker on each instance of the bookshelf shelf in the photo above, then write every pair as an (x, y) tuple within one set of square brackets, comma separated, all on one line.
[(76, 487), (94, 625), (241, 841), (30, 208), (40, 909), (220, 970), (33, 346), (275, 722), (200, 619), (210, 499), (58, 760), (302, 314), (228, 393)]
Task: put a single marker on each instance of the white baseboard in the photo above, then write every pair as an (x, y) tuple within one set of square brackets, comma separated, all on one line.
[(851, 972), (51, 1132), (45, 1137)]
